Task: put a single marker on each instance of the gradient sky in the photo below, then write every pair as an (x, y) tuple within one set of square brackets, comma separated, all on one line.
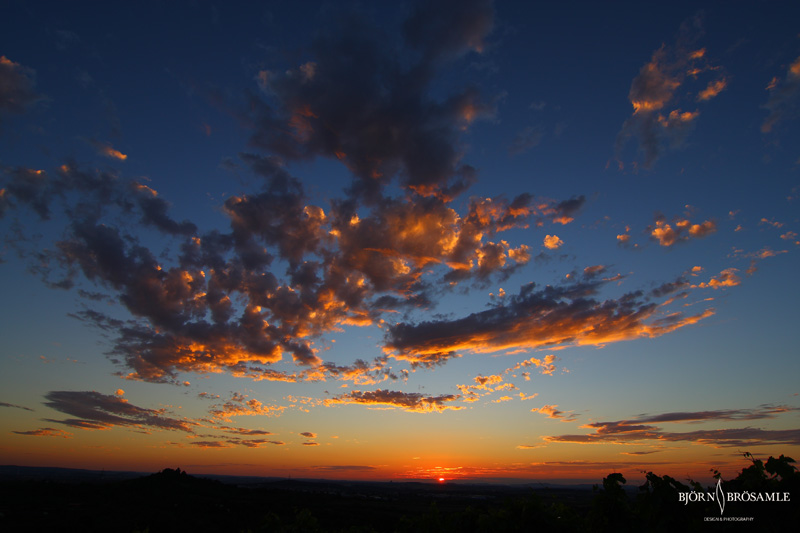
[(456, 239)]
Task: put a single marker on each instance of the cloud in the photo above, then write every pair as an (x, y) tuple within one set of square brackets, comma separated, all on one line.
[(239, 405), (550, 317), (94, 410), (546, 366), (594, 271), (309, 435), (680, 230), (211, 444), (551, 412), (344, 468), (229, 442), (642, 429), (243, 431), (713, 89), (485, 382), (310, 443), (155, 212), (106, 150), (658, 123), (726, 278), (640, 452), (757, 413), (23, 186), (413, 402), (4, 404), (256, 299), (552, 242), (784, 98), (448, 29), (46, 432), (365, 103), (17, 87)]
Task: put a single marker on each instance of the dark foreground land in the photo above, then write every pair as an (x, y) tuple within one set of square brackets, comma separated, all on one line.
[(172, 500)]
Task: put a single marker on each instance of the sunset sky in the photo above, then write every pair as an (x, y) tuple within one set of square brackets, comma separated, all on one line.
[(376, 240)]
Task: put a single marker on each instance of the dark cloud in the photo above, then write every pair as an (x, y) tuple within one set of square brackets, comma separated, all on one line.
[(784, 98), (229, 442), (359, 101), (642, 429), (407, 401), (94, 410), (4, 404), (552, 316), (449, 28), (26, 187), (726, 438), (45, 432), (665, 289), (17, 87), (758, 413), (211, 444), (344, 468), (154, 212), (256, 443), (244, 431)]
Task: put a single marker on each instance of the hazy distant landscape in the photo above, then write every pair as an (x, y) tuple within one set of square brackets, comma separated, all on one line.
[(46, 499)]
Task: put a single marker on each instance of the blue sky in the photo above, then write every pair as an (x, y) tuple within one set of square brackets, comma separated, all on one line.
[(463, 239)]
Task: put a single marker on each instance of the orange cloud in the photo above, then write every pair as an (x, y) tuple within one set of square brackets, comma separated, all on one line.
[(552, 317), (109, 151), (726, 278), (46, 432), (664, 233), (484, 382), (790, 236), (701, 230), (413, 402), (239, 405), (713, 89), (677, 117), (552, 242), (546, 366), (551, 412), (667, 235), (655, 88)]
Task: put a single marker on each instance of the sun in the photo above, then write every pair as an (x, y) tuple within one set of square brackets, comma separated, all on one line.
[(441, 480)]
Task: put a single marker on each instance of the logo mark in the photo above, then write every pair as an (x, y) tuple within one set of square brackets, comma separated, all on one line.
[(720, 496)]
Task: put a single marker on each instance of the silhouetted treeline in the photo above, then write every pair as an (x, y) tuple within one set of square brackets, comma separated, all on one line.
[(173, 501)]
